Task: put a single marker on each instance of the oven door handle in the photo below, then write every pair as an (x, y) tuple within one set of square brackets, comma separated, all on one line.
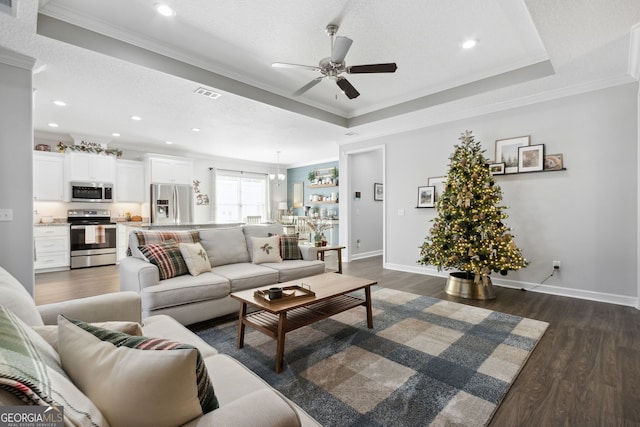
[(106, 226)]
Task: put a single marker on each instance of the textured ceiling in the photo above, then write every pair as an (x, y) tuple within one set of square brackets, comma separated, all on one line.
[(110, 60)]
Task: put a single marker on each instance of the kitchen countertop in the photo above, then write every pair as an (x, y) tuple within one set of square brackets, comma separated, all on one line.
[(51, 224)]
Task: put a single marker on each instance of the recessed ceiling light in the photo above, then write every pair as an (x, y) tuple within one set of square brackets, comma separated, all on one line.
[(53, 125), (115, 134), (165, 10), (469, 44), (195, 129), (60, 103), (168, 142), (136, 118)]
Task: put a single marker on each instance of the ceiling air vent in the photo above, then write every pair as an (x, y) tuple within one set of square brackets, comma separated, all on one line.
[(9, 7), (205, 92)]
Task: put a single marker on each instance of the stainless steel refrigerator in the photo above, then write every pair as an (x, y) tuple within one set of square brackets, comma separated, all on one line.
[(171, 204)]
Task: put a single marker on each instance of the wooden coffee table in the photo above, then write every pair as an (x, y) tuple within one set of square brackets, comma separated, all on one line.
[(277, 318)]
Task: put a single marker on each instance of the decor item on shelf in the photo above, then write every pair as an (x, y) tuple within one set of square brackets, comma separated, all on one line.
[(43, 147), (426, 196), (531, 158), (334, 175), (311, 176), (318, 225), (278, 177), (438, 182), (378, 192), (507, 152), (553, 162), (469, 233), (496, 168), (89, 147)]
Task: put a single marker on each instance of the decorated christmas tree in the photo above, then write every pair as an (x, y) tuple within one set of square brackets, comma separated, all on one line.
[(469, 233)]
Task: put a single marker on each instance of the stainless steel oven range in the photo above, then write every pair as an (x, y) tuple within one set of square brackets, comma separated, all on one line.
[(92, 237)]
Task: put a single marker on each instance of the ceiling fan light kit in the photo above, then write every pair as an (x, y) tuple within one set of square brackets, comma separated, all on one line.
[(334, 65)]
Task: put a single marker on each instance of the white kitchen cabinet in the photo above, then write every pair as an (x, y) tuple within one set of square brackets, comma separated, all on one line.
[(51, 244), (170, 170), (48, 176), (91, 167), (129, 181)]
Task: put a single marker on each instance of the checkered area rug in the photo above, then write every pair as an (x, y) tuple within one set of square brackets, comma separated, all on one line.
[(426, 362)]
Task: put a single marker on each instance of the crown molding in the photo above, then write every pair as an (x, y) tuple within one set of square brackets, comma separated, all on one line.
[(13, 58)]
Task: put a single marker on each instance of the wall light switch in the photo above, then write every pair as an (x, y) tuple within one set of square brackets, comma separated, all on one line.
[(6, 214)]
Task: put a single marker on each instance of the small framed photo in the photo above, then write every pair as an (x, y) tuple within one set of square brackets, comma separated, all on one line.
[(438, 182), (378, 192), (496, 168), (426, 196), (507, 152), (531, 158), (553, 162)]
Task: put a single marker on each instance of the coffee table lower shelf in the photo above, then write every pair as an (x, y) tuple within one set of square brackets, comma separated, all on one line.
[(296, 318)]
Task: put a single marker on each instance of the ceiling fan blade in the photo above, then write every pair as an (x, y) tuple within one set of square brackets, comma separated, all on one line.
[(389, 67), (347, 88), (308, 86), (340, 48), (295, 66)]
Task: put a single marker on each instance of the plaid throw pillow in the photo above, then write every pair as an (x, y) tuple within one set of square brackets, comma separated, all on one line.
[(149, 237), (289, 247), (167, 257)]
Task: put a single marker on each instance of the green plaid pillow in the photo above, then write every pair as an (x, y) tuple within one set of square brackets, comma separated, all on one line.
[(167, 257), (289, 247)]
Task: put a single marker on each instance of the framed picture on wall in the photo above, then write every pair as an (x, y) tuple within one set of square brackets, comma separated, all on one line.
[(426, 196), (553, 162), (496, 168), (507, 152), (378, 192), (531, 158), (438, 182)]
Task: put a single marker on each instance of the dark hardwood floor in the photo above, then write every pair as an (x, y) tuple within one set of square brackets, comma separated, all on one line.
[(584, 372)]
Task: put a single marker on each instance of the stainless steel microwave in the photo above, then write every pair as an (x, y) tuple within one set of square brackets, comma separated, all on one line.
[(91, 192)]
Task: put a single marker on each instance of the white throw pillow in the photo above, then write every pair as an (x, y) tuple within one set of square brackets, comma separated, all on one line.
[(153, 384), (195, 257), (266, 249)]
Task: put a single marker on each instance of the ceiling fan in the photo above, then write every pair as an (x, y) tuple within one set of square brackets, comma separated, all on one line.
[(334, 66)]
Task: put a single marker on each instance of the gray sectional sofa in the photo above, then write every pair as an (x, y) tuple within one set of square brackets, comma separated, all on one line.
[(190, 299)]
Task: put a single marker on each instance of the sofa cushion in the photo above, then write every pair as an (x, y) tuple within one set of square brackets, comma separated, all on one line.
[(225, 245), (184, 290), (266, 249), (163, 326), (243, 276), (50, 332), (296, 269), (31, 371), (167, 257), (151, 381), (259, 230), (195, 257), (15, 297), (289, 247), (145, 237)]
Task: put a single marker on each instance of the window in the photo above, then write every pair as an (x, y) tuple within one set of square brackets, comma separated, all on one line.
[(240, 194)]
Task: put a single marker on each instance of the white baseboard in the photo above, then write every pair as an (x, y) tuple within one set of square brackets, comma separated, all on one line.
[(532, 287), (366, 255)]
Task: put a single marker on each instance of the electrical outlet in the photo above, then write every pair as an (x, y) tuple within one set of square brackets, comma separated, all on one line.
[(556, 265), (6, 214), (358, 243)]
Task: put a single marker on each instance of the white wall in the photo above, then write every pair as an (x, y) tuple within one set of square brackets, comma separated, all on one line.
[(585, 216), (366, 214), (16, 136)]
